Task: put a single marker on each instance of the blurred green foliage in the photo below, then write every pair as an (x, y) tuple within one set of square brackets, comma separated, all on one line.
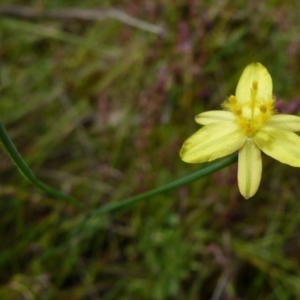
[(99, 109)]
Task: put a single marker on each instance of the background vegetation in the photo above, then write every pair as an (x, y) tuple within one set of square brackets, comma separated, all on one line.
[(99, 108)]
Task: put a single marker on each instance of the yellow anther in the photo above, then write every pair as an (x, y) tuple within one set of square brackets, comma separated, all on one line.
[(238, 111), (255, 85), (232, 99), (263, 108)]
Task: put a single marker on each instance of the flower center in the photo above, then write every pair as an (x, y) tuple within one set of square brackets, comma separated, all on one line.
[(251, 115)]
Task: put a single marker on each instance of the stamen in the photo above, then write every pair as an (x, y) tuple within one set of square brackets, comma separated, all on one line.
[(263, 108), (251, 114), (238, 111), (232, 99)]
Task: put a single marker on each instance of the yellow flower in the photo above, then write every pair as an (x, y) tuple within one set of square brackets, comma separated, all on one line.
[(249, 124)]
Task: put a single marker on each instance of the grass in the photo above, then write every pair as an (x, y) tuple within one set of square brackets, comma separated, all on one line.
[(99, 110)]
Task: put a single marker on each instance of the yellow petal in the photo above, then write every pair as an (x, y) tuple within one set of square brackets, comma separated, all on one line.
[(254, 72), (280, 144), (214, 116), (287, 122), (249, 168), (211, 142)]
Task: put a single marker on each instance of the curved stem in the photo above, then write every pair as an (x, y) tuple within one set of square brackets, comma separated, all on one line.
[(213, 167), (26, 172), (24, 169)]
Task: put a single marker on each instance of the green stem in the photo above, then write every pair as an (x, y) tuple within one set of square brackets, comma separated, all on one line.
[(165, 188), (24, 169)]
